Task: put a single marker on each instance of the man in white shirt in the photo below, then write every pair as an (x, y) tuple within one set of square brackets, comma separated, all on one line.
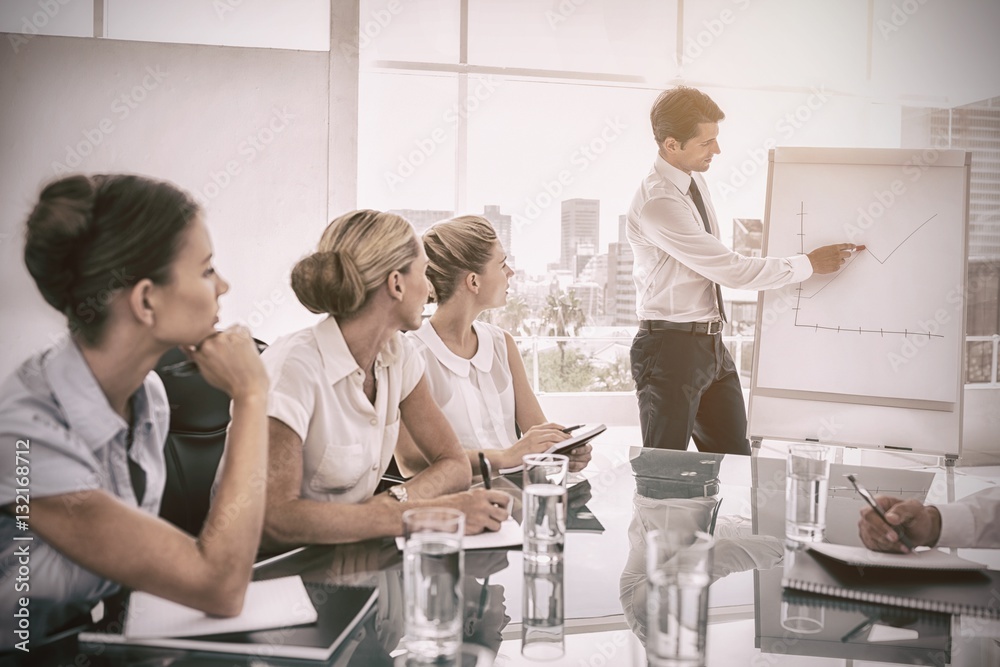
[(973, 521), (686, 381)]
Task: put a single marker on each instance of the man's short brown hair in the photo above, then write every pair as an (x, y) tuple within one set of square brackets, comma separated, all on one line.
[(678, 111)]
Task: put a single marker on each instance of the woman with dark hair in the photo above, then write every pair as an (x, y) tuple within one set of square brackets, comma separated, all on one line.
[(474, 369), (341, 389), (128, 261)]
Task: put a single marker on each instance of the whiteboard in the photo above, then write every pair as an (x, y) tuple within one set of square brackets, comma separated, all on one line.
[(872, 355)]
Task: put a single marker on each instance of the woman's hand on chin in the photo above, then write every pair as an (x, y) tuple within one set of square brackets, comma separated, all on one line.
[(229, 360)]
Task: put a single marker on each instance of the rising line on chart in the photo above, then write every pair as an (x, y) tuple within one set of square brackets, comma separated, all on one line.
[(859, 330)]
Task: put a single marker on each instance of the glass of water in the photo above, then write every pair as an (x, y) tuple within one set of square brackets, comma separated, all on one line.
[(679, 565), (433, 565), (542, 611), (544, 506), (807, 479)]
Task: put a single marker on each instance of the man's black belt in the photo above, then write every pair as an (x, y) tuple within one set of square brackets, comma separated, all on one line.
[(707, 328)]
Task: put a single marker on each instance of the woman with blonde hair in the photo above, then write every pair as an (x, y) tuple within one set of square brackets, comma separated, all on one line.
[(341, 389), (128, 261), (474, 369)]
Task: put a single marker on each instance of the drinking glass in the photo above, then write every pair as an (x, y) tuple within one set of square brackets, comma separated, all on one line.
[(433, 565)]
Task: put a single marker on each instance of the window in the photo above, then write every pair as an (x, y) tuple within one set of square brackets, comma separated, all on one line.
[(528, 106)]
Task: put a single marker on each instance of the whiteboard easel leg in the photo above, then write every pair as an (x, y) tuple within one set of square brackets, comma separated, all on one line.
[(949, 475), (754, 451)]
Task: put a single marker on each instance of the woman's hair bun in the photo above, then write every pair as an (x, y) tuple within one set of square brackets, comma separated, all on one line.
[(89, 237), (329, 282), (355, 255), (59, 231)]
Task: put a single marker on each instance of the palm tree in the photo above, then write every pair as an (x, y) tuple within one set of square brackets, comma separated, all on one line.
[(562, 317), (615, 376), (511, 317)]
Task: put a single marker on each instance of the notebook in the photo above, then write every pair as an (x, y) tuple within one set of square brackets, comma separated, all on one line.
[(509, 535), (339, 609), (927, 559), (274, 603), (969, 592), (582, 436)]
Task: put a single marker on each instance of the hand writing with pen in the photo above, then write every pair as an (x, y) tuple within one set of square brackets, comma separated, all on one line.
[(921, 525)]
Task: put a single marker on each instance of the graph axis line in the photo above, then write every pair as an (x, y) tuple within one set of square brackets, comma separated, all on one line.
[(799, 296)]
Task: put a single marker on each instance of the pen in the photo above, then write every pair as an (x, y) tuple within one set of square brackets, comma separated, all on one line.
[(470, 625), (188, 367), (570, 429), (868, 498), (486, 471), (859, 628)]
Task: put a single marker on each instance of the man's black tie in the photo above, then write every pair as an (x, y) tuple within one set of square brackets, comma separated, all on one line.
[(700, 203)]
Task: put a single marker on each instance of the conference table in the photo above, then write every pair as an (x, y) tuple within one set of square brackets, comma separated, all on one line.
[(624, 493)]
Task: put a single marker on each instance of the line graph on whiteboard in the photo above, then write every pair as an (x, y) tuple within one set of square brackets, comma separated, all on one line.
[(879, 251)]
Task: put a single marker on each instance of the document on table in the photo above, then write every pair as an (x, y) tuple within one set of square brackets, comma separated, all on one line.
[(509, 535), (924, 559), (272, 603)]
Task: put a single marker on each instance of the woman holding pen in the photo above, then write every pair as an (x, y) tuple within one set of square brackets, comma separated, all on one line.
[(474, 369), (343, 389)]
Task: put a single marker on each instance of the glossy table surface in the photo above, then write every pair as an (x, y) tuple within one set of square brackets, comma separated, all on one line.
[(739, 499)]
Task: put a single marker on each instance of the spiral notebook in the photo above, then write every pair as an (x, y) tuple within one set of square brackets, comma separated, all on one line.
[(967, 592)]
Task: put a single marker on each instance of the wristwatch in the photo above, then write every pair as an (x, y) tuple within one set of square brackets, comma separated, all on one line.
[(399, 493)]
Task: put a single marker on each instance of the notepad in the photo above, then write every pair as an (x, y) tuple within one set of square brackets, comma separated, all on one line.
[(950, 591), (268, 604), (509, 535), (887, 633), (925, 559), (337, 612), (584, 434)]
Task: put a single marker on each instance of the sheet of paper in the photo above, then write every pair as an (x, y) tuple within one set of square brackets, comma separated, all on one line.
[(273, 603), (887, 633), (926, 559), (509, 535)]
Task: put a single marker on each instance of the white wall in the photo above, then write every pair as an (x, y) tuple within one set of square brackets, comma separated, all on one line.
[(981, 423), (289, 24), (246, 130), (25, 19)]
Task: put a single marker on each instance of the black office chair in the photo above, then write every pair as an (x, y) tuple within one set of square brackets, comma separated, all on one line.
[(199, 415), (391, 477)]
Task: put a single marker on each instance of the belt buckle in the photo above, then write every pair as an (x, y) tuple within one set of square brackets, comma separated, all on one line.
[(712, 330)]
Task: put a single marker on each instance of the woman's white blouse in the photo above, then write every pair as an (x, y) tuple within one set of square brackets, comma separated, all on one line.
[(476, 395), (317, 391)]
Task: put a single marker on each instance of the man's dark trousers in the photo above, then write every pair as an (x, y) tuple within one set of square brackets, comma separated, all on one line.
[(688, 386)]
